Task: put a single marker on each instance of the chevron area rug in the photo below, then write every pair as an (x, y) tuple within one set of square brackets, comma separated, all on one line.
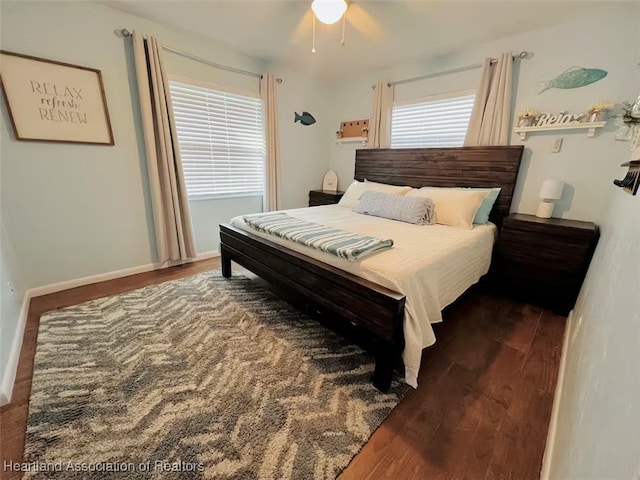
[(201, 377)]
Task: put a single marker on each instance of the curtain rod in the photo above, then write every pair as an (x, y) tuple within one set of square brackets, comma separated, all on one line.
[(523, 54), (126, 33)]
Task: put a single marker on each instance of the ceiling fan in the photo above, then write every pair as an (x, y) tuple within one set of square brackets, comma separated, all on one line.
[(329, 12)]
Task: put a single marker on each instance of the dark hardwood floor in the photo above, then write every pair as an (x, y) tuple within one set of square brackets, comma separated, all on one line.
[(482, 409)]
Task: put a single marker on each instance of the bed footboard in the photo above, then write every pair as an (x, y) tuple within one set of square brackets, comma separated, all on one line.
[(363, 303)]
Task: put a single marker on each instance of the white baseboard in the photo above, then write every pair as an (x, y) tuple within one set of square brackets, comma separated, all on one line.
[(6, 388), (557, 397), (103, 277), (80, 282), (205, 255)]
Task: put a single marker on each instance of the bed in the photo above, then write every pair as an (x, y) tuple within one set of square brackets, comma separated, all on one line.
[(366, 293)]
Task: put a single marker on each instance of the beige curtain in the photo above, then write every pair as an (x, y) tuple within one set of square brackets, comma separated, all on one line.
[(171, 218), (380, 122), (490, 118), (272, 188)]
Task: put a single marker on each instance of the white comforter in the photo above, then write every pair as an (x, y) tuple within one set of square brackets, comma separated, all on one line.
[(432, 265)]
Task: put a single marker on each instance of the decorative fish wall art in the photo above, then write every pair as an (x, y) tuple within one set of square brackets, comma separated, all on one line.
[(305, 119), (575, 77)]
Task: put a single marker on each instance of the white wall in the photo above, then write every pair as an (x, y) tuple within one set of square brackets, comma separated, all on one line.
[(303, 149), (10, 307), (598, 412), (207, 215), (609, 42), (598, 432)]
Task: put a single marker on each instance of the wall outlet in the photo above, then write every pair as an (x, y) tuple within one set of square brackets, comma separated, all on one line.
[(557, 145), (12, 290)]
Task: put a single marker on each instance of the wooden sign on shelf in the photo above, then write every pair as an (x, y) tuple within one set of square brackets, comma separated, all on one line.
[(354, 129), (563, 118)]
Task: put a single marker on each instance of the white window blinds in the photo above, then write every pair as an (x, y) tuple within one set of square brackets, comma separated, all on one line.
[(431, 122), (221, 139)]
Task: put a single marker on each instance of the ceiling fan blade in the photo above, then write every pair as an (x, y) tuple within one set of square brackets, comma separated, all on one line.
[(363, 22), (303, 29)]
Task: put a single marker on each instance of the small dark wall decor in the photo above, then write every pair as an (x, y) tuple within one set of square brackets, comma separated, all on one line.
[(305, 119), (631, 181), (53, 101)]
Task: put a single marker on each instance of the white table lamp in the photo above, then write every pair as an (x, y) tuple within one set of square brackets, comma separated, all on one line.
[(550, 192)]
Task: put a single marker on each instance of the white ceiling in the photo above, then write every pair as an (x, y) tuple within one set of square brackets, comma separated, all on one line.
[(378, 34)]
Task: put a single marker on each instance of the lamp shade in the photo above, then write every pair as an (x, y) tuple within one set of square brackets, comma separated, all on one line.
[(329, 11), (552, 189)]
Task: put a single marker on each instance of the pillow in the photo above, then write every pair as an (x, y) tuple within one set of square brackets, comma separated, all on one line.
[(416, 210), (454, 207), (352, 196), (482, 215)]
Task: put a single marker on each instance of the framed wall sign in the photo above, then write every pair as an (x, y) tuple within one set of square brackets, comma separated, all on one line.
[(53, 101)]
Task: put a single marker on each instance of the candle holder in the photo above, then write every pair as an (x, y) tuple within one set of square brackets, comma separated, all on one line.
[(598, 111), (596, 115), (526, 121), (527, 117)]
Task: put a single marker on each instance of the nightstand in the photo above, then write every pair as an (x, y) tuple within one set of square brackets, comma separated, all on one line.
[(324, 197), (544, 260)]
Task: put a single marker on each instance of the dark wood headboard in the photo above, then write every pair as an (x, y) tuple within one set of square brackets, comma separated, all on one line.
[(446, 167)]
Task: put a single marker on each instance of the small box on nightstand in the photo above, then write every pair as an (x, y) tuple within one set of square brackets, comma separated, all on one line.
[(324, 197)]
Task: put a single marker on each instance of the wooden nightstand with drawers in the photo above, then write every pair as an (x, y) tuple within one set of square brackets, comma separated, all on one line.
[(544, 260), (324, 197)]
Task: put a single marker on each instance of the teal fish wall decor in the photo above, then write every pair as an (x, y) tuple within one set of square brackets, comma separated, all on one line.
[(305, 119), (575, 77)]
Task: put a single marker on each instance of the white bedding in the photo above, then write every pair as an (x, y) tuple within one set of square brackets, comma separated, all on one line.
[(432, 265)]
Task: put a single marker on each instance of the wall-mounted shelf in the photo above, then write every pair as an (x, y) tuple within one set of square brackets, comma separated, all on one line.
[(353, 131), (363, 140), (590, 127)]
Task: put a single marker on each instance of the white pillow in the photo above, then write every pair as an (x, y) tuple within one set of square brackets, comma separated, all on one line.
[(482, 215), (351, 197), (456, 208)]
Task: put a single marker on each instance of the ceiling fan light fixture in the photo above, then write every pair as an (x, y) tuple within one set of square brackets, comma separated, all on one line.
[(329, 11)]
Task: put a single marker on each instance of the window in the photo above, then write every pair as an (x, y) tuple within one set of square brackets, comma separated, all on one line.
[(437, 121), (221, 139)]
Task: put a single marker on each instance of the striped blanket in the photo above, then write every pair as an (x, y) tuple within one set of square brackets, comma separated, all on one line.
[(347, 245)]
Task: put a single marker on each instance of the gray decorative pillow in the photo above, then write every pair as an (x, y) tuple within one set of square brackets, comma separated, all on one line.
[(417, 210)]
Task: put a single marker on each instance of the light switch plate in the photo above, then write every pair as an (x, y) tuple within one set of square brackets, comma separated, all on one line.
[(557, 145)]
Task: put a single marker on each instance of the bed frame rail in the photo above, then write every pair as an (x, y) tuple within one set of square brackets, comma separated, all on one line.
[(365, 304)]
